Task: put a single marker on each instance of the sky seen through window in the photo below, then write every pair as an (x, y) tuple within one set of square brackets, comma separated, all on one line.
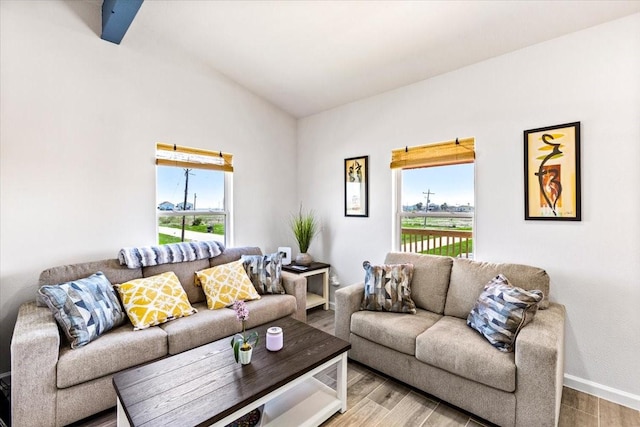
[(207, 185), (452, 185)]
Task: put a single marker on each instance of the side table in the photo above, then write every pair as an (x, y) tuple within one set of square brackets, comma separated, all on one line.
[(313, 300)]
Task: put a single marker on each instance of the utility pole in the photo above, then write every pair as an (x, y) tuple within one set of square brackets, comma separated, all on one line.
[(195, 197), (184, 205), (426, 208)]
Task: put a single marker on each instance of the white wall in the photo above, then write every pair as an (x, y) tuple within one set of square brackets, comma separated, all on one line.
[(591, 76), (79, 121)]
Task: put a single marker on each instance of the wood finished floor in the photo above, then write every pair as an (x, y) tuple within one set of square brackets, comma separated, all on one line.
[(376, 400)]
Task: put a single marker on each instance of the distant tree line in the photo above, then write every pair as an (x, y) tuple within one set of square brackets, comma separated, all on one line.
[(433, 207)]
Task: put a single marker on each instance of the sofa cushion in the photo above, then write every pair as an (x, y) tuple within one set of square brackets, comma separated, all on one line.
[(111, 268), (120, 349), (265, 272), (501, 311), (388, 288), (269, 308), (234, 254), (84, 308), (454, 347), (203, 327), (154, 300), (430, 281), (224, 284), (186, 274), (393, 330), (469, 277)]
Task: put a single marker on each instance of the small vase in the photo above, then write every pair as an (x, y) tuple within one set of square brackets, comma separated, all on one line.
[(304, 258), (244, 356), (274, 338)]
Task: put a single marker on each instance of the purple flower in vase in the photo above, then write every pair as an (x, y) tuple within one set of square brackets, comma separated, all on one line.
[(240, 341), (242, 312)]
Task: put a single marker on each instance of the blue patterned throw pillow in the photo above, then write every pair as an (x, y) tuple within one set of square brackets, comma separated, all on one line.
[(265, 272), (84, 308), (502, 310), (388, 288)]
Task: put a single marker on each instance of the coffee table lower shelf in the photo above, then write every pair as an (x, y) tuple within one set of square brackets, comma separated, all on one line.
[(307, 404)]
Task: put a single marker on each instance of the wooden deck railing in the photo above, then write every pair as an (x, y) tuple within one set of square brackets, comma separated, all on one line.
[(437, 242)]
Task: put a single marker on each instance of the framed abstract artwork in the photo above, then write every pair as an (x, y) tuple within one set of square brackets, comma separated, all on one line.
[(552, 173), (356, 186)]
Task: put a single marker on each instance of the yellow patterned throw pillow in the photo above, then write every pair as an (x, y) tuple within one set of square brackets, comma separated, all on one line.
[(226, 283), (154, 300)]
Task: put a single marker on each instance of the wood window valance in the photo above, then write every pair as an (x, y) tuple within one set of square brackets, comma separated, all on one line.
[(196, 158), (445, 153)]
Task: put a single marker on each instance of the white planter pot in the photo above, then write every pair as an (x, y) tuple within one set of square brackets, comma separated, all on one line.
[(244, 356)]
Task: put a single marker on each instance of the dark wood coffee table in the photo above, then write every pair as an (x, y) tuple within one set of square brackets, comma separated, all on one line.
[(205, 386)]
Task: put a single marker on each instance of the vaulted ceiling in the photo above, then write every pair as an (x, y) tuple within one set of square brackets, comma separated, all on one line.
[(310, 56)]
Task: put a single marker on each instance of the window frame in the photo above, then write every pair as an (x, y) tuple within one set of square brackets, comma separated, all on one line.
[(225, 167), (398, 157)]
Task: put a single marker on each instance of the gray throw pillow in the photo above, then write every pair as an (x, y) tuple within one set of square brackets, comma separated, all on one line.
[(84, 308), (265, 272), (502, 310), (387, 287)]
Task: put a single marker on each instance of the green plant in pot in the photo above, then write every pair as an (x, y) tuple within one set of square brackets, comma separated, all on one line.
[(304, 227)]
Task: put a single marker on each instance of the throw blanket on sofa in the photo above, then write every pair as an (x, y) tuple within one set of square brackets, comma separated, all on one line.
[(167, 254)]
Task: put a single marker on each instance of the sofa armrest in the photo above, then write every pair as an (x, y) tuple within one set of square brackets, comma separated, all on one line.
[(539, 356), (348, 300), (297, 286), (34, 356)]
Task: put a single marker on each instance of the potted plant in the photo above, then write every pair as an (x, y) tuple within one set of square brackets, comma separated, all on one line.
[(304, 227), (243, 345)]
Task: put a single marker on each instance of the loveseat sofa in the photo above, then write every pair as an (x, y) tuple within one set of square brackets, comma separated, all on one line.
[(436, 351), (54, 385)]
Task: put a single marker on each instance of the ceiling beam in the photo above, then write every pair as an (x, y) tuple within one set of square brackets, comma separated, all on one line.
[(117, 15)]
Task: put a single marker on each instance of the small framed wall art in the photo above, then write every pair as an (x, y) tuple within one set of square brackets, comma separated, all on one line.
[(552, 173), (356, 186)]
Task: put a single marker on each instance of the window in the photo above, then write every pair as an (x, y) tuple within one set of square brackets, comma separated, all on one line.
[(193, 193), (434, 194)]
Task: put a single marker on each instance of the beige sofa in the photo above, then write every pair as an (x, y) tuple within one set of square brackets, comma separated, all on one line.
[(54, 385), (435, 351)]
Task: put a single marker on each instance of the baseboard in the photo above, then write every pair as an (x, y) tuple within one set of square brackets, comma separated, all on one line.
[(332, 305), (605, 392)]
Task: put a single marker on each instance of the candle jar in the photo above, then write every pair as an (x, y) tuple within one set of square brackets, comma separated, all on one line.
[(274, 338)]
